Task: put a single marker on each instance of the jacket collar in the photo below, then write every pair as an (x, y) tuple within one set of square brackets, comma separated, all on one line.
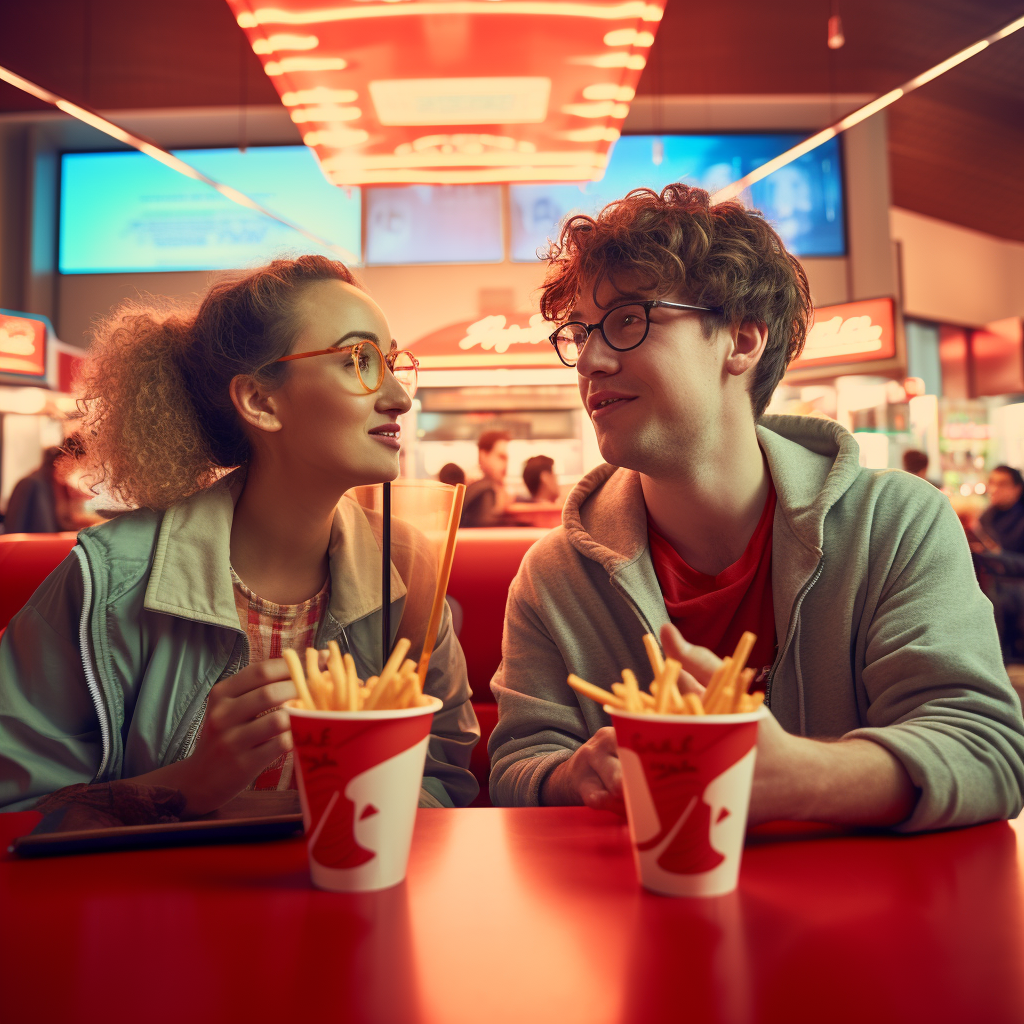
[(191, 576)]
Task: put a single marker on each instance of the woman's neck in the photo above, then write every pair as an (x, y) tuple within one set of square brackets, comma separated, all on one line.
[(280, 534)]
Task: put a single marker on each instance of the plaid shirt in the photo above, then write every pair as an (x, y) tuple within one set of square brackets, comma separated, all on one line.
[(271, 629)]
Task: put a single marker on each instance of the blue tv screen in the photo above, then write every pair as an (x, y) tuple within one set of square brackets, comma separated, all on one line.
[(126, 212), (803, 201), (434, 224)]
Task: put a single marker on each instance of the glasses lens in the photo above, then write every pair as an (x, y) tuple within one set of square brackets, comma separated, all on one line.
[(625, 326), (366, 366), (569, 342), (404, 369)]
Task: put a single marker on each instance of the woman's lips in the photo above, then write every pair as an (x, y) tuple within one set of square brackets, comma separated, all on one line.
[(389, 435)]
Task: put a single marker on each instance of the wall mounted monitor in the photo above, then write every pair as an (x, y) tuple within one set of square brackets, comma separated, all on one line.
[(434, 224), (803, 201), (125, 212)]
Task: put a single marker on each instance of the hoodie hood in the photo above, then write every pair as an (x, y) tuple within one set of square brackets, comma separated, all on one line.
[(813, 462)]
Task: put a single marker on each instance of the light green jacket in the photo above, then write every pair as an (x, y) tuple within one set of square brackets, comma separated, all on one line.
[(105, 673), (883, 632)]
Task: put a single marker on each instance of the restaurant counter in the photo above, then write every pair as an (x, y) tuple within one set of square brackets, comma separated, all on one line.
[(521, 915)]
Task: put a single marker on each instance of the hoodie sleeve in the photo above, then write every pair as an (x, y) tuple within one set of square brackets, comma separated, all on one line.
[(939, 697), (49, 727), (540, 722)]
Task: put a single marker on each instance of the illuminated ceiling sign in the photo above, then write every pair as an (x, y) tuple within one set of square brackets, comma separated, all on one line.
[(23, 338), (852, 332), (455, 91)]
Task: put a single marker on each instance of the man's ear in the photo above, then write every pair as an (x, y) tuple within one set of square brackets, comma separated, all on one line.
[(749, 339), (257, 407)]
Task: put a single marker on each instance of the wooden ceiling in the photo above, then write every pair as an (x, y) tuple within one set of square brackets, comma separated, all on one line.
[(956, 146)]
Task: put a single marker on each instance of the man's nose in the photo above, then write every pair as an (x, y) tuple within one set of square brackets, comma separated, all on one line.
[(598, 358)]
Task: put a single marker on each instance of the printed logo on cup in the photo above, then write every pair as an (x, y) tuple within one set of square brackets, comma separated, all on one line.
[(687, 793), (360, 783)]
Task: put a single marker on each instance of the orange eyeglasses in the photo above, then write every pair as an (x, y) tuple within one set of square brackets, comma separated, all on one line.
[(364, 364)]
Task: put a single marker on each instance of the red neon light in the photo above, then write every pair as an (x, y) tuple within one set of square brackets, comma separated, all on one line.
[(455, 91), (22, 345), (851, 332)]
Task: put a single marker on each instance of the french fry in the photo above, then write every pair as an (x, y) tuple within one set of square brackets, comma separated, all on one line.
[(742, 687), (693, 704), (595, 693), (354, 684), (339, 677), (716, 683), (654, 655), (754, 701), (298, 678), (633, 702), (623, 692), (668, 680), (321, 690)]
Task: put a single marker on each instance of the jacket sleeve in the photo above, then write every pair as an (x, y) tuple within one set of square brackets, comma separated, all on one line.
[(447, 779), (49, 727), (939, 697), (540, 723)]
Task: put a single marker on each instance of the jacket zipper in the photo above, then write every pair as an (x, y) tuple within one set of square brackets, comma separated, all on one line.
[(106, 732), (792, 630), (193, 733)]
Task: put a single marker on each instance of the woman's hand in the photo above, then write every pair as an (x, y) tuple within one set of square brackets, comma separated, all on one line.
[(243, 732)]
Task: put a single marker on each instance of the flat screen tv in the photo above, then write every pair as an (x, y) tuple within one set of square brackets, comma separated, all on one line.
[(803, 201), (125, 212)]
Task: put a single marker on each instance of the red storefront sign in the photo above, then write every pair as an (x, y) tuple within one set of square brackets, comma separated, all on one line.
[(851, 332), (23, 344), (454, 91)]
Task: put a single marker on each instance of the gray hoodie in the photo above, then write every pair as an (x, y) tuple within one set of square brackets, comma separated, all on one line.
[(883, 632)]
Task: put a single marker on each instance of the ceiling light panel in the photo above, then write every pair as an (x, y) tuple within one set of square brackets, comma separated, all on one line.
[(455, 91)]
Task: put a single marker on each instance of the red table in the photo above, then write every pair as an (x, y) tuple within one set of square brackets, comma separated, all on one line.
[(524, 916)]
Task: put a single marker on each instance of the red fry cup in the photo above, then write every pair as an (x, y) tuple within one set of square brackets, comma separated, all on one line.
[(359, 781), (687, 780)]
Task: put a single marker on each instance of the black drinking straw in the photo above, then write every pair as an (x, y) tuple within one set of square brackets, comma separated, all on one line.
[(385, 578)]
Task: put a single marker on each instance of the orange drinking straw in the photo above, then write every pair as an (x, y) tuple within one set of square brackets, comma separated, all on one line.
[(434, 622)]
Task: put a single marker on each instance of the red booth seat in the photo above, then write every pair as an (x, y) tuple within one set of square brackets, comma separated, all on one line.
[(486, 561), (26, 559)]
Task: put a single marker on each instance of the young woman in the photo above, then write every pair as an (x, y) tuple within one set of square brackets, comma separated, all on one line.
[(153, 651)]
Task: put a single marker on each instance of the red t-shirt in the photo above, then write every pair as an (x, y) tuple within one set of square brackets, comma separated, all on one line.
[(714, 611)]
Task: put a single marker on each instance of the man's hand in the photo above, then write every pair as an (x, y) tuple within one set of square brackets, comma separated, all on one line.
[(848, 782), (592, 776)]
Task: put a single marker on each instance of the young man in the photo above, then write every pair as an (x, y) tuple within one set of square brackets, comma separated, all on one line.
[(879, 656), (539, 477), (486, 498)]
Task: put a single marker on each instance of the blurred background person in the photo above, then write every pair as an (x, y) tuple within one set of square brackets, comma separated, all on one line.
[(1000, 528), (486, 498), (998, 546), (48, 500), (539, 477), (916, 463), (452, 474)]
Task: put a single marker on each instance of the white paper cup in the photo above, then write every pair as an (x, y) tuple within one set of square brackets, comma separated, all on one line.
[(360, 774), (687, 781)]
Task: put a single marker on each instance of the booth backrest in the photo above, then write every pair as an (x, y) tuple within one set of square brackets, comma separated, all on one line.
[(486, 562), (26, 559)]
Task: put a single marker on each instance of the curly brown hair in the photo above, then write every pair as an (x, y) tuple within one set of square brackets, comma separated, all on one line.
[(677, 243), (159, 421)]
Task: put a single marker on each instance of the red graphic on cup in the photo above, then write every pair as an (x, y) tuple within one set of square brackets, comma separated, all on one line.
[(332, 754)]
